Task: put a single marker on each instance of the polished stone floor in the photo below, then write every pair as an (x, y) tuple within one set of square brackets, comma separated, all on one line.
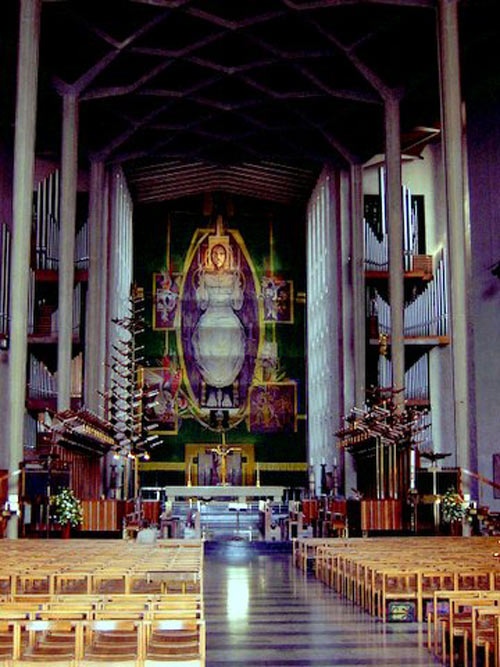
[(262, 611)]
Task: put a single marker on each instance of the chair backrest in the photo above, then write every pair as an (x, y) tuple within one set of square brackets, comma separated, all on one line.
[(173, 624), (111, 624)]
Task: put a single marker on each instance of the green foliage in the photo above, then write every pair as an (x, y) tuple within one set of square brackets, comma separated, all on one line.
[(66, 508), (453, 506)]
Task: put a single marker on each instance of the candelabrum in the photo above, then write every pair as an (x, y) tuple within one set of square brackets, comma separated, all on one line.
[(335, 479), (127, 402), (312, 481)]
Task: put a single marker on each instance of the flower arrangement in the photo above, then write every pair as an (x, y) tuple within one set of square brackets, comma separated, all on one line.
[(67, 508), (453, 506)]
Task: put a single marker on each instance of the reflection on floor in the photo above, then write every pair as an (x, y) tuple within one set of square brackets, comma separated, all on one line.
[(261, 610)]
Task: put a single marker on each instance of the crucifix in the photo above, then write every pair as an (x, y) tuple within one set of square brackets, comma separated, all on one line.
[(223, 451)]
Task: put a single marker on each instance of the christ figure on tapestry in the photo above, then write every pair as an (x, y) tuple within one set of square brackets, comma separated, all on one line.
[(219, 333), (219, 338)]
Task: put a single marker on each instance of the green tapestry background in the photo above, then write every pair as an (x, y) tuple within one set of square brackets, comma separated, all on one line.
[(274, 236)]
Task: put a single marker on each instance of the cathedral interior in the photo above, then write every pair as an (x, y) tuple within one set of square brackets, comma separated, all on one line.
[(251, 246), (249, 315)]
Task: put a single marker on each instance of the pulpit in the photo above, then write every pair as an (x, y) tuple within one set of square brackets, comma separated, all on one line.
[(381, 515)]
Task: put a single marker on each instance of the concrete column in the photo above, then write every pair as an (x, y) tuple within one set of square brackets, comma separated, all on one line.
[(395, 230), (335, 299), (457, 228), (69, 183), (357, 342), (24, 161), (358, 285), (95, 339), (104, 278)]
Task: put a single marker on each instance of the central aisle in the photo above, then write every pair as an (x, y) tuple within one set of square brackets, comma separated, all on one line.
[(261, 610)]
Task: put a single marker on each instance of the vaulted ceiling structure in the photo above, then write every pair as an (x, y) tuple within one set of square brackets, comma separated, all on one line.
[(245, 96)]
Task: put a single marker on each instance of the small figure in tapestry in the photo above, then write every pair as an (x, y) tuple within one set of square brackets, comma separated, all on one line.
[(166, 297)]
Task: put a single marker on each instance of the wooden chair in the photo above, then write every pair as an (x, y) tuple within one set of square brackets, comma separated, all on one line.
[(71, 582), (483, 632), (74, 599), (397, 584), (108, 641), (145, 582), (438, 618), (6, 583), (185, 605), (175, 641), (35, 582), (496, 644), (29, 600), (10, 612), (122, 614), (48, 642), (432, 580), (70, 612), (128, 605), (115, 580), (16, 610), (459, 626), (6, 640), (181, 582)]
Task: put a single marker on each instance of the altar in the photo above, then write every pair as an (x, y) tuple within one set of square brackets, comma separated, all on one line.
[(240, 494)]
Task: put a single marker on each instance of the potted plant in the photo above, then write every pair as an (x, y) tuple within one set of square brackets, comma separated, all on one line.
[(454, 509), (67, 510)]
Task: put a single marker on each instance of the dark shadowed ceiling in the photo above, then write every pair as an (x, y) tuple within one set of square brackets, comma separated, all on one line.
[(246, 96)]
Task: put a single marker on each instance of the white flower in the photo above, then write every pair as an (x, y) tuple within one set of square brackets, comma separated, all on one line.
[(67, 508), (453, 506)]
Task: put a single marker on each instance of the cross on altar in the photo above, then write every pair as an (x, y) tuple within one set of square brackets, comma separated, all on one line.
[(223, 452)]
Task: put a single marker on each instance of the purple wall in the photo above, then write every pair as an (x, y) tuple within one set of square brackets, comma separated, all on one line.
[(483, 141)]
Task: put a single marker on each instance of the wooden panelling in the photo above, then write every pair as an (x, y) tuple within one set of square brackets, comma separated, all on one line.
[(381, 515), (151, 511), (102, 515)]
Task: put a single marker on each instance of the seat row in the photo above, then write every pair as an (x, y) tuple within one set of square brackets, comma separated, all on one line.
[(464, 628), (85, 643), (374, 572), (118, 580), (90, 568), (452, 583), (87, 604), (107, 606)]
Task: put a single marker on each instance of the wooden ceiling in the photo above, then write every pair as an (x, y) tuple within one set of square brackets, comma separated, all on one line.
[(250, 97)]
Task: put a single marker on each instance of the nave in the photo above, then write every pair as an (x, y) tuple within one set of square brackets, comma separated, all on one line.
[(263, 611)]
